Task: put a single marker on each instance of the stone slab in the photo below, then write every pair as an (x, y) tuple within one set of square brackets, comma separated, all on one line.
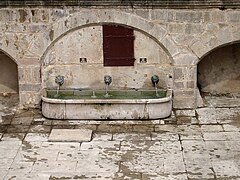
[(71, 135), (36, 137)]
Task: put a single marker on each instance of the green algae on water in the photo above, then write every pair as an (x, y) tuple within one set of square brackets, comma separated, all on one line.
[(113, 94)]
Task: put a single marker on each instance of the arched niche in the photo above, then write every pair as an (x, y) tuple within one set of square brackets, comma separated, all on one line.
[(219, 71), (78, 56), (9, 74)]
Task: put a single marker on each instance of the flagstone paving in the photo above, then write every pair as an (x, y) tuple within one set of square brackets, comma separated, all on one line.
[(209, 149)]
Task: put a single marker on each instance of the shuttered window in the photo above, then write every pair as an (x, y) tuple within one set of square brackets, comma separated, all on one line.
[(118, 46)]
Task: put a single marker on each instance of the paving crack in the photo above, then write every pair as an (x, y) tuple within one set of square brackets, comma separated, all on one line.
[(214, 173), (184, 161)]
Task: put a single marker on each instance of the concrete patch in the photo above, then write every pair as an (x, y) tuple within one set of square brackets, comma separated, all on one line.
[(70, 135)]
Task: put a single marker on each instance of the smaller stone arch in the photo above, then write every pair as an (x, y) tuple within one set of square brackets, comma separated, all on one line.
[(217, 47), (209, 41), (218, 70), (12, 57)]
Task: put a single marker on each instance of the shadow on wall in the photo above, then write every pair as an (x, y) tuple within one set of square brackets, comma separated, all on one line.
[(9, 75), (219, 71)]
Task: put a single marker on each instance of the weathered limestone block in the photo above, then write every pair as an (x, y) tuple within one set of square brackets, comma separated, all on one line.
[(108, 15), (233, 16), (235, 32), (162, 15), (212, 27), (29, 99), (183, 39), (186, 59), (224, 35), (170, 45), (185, 73), (40, 43), (139, 23), (184, 102), (199, 48), (29, 87), (191, 17), (199, 100), (29, 60), (186, 113), (57, 14), (191, 73), (179, 85), (178, 73), (5, 15), (176, 28), (193, 29), (8, 45), (143, 13), (206, 16), (208, 38), (70, 135), (29, 74), (184, 93), (25, 74), (159, 32), (35, 28), (25, 15), (190, 84), (36, 74), (14, 27), (218, 16), (40, 15), (59, 28)]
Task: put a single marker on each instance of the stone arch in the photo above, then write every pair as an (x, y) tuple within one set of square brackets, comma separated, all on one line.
[(217, 47), (100, 24), (218, 70), (211, 40), (208, 42), (82, 19), (13, 58), (65, 46), (45, 39)]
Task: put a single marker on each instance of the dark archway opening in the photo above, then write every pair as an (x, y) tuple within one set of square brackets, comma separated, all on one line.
[(9, 97), (219, 72), (9, 75)]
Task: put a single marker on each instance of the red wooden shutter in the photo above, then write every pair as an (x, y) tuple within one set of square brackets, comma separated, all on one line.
[(118, 46)]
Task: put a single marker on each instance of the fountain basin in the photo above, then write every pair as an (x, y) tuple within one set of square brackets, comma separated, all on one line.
[(131, 104)]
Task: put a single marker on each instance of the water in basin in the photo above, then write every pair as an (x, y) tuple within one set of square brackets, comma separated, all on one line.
[(100, 94)]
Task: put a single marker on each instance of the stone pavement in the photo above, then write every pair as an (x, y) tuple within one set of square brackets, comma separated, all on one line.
[(201, 144)]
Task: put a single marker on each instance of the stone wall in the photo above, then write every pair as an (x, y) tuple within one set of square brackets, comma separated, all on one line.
[(222, 4), (29, 34)]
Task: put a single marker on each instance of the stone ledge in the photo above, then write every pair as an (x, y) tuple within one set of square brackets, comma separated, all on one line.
[(144, 4)]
